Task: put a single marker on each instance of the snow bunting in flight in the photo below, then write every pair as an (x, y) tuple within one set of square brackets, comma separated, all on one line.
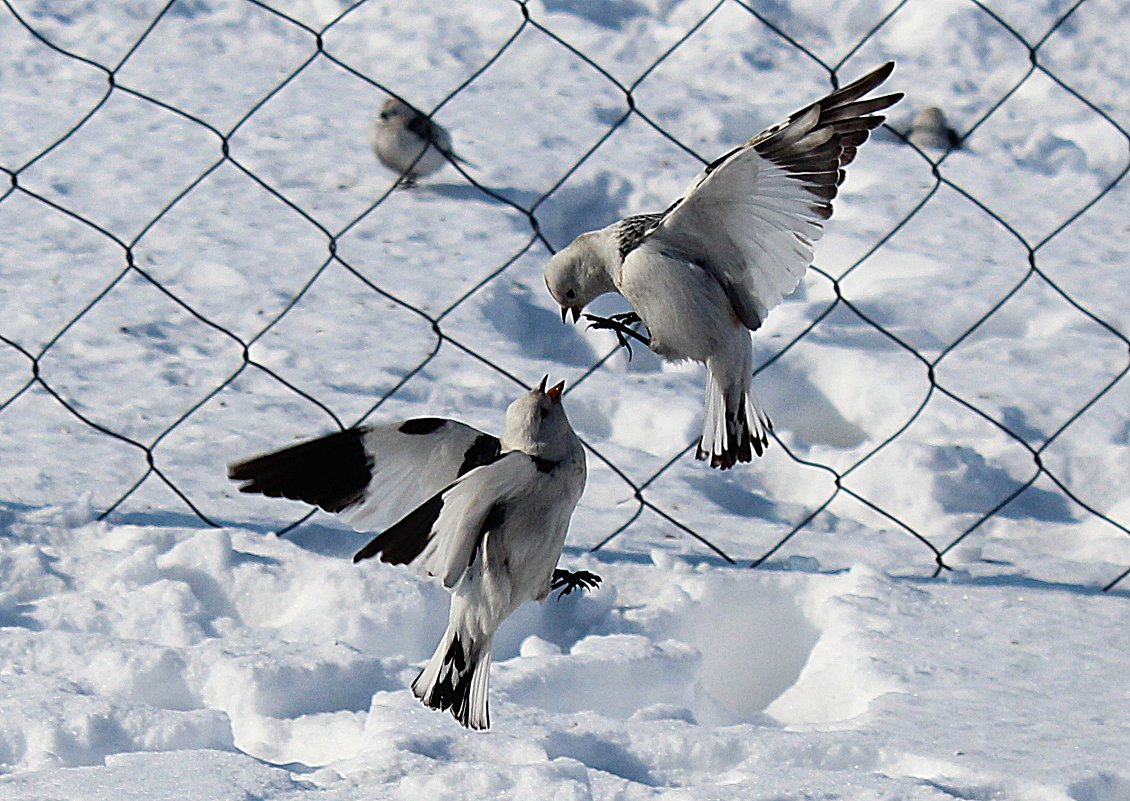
[(410, 143), (711, 266), (485, 515)]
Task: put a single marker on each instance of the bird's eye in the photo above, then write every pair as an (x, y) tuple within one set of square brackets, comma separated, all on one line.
[(384, 115), (571, 294), (544, 413)]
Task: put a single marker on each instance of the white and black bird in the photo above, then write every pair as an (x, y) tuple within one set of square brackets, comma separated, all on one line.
[(706, 271), (409, 143), (485, 515)]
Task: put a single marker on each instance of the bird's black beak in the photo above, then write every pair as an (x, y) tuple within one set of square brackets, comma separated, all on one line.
[(554, 393), (566, 310), (544, 381)]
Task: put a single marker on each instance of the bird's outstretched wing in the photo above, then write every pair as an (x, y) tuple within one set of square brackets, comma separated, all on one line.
[(752, 216), (370, 475), (445, 534)]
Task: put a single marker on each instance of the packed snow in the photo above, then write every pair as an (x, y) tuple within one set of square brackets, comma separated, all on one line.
[(147, 654)]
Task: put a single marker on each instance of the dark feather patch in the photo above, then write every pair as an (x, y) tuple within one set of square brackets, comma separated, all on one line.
[(821, 210), (741, 444), (331, 472), (861, 108), (827, 178), (484, 450), (860, 86), (421, 425), (406, 539), (821, 191), (455, 655), (814, 155), (633, 230), (452, 689), (544, 465), (425, 129)]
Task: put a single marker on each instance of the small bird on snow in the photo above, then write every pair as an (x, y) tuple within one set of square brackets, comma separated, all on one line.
[(930, 131), (713, 264), (485, 515), (410, 143)]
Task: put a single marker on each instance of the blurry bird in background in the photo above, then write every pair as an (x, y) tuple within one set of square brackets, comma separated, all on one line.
[(410, 143), (930, 131)]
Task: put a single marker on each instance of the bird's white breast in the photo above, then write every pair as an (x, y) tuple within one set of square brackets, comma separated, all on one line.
[(683, 305)]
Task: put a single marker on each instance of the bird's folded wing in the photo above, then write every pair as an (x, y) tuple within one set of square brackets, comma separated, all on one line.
[(370, 475), (425, 128), (443, 535), (752, 216)]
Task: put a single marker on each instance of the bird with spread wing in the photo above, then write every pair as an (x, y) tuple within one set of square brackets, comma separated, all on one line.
[(486, 516), (705, 272)]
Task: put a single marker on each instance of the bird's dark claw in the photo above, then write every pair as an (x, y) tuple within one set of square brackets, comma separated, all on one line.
[(620, 324), (567, 582)]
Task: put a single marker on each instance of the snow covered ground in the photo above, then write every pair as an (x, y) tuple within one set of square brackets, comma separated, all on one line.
[(148, 655)]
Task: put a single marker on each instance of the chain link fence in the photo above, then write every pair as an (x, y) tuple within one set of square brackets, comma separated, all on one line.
[(31, 365)]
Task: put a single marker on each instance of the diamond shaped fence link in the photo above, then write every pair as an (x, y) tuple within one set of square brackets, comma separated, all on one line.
[(32, 377)]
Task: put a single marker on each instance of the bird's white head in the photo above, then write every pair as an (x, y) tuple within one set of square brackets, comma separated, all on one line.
[(396, 112), (536, 424), (577, 274)]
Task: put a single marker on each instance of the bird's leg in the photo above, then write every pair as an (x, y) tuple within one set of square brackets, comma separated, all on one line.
[(567, 582), (620, 324), (406, 182)]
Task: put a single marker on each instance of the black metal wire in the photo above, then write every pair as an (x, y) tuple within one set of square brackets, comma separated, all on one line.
[(321, 51)]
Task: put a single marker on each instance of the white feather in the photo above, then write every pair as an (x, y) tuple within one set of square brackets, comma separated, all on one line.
[(407, 470), (466, 505), (752, 225)]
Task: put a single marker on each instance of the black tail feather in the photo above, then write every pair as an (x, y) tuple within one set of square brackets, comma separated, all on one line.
[(742, 441), (452, 687)]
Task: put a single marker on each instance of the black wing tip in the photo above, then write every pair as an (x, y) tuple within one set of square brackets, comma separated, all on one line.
[(420, 426), (883, 71), (875, 76), (891, 99), (855, 90), (245, 470), (330, 472), (366, 552)]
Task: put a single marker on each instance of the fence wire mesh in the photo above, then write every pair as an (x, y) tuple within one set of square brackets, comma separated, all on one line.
[(32, 366)]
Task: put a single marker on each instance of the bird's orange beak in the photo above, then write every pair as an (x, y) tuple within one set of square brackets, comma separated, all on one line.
[(554, 393)]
